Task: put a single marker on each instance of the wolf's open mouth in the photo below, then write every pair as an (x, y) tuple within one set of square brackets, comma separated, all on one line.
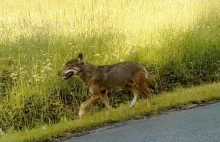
[(68, 75)]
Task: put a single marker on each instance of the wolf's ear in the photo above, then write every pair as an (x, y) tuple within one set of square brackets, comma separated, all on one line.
[(80, 58)]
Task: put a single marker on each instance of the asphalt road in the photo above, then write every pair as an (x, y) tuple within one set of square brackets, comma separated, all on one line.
[(201, 124)]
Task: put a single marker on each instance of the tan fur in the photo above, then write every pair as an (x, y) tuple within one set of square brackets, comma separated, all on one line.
[(128, 75)]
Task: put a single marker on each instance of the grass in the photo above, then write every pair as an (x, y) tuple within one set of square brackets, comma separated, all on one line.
[(178, 41), (162, 103)]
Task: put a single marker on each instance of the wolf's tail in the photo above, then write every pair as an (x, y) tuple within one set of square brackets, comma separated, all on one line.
[(150, 85)]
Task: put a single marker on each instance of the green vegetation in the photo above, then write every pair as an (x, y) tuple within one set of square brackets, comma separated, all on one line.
[(174, 100), (177, 41)]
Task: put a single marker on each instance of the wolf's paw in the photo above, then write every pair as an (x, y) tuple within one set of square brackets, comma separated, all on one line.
[(80, 114), (131, 106)]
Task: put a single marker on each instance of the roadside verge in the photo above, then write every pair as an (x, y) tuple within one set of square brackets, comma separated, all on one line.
[(179, 99)]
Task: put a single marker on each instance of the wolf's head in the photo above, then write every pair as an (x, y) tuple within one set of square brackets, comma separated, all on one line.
[(72, 67)]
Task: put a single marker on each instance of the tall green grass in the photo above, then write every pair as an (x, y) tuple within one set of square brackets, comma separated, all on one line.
[(177, 40)]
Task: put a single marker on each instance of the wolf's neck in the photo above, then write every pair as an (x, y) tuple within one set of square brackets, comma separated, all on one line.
[(87, 72)]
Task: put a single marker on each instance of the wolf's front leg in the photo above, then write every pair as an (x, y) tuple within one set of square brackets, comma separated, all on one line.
[(105, 100), (84, 105)]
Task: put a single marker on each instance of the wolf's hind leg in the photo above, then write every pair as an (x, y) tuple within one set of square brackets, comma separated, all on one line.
[(149, 98), (133, 102)]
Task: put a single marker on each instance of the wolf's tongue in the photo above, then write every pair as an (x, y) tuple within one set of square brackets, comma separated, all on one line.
[(69, 74)]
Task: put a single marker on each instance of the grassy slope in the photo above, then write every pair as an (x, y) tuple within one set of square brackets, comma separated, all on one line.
[(161, 103)]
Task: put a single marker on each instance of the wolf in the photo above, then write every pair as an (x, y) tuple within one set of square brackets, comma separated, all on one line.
[(99, 79)]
